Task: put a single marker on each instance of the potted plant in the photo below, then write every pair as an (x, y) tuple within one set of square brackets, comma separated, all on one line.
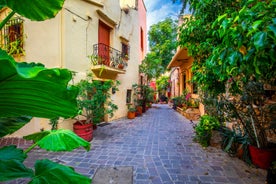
[(253, 111), (235, 143), (255, 114), (131, 112), (143, 95), (125, 57), (139, 107), (204, 129), (94, 103), (122, 64)]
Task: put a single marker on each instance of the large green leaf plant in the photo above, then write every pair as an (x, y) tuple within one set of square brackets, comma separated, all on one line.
[(30, 90)]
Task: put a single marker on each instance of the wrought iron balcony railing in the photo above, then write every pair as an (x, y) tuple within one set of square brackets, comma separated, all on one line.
[(108, 56)]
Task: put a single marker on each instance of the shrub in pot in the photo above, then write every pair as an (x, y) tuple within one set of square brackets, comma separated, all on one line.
[(94, 103), (143, 94), (235, 143), (204, 129), (254, 112), (131, 112)]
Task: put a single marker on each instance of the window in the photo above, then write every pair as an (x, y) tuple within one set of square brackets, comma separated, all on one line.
[(142, 39), (12, 36), (128, 97), (184, 82), (194, 86), (125, 51)]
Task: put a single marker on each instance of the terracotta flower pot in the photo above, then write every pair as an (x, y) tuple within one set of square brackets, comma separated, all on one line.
[(139, 110), (84, 131), (121, 66), (130, 115)]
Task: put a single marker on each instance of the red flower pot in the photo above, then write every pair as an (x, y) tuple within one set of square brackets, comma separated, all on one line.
[(84, 131), (262, 157)]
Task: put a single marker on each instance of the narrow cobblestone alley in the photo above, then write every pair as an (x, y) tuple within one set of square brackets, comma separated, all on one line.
[(159, 147)]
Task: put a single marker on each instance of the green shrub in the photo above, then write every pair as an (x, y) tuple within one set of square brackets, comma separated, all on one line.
[(204, 129)]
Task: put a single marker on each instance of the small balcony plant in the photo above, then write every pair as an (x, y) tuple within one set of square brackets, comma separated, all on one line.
[(122, 63)]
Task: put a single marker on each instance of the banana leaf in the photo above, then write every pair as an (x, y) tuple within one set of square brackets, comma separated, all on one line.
[(58, 140), (33, 90), (50, 172), (34, 9)]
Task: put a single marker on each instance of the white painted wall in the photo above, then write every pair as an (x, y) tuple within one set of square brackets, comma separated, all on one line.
[(66, 41)]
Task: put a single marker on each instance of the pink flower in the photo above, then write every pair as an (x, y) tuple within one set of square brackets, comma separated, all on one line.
[(188, 96)]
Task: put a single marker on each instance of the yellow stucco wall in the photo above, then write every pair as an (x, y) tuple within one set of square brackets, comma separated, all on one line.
[(66, 41)]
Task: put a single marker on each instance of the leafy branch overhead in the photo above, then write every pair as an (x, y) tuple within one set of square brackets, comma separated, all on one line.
[(231, 40), (233, 46)]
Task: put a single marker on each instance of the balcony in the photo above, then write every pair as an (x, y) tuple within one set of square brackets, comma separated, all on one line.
[(107, 62)]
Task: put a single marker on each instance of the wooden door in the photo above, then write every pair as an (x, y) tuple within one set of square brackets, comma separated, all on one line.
[(104, 43)]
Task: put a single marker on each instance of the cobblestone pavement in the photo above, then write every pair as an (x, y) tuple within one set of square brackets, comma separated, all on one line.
[(159, 146)]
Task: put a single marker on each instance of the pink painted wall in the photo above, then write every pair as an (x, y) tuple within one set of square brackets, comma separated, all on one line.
[(142, 11)]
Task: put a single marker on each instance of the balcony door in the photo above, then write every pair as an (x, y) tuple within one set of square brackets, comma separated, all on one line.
[(104, 43)]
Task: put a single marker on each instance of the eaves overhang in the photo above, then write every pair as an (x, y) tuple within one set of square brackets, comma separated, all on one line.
[(106, 18), (180, 57)]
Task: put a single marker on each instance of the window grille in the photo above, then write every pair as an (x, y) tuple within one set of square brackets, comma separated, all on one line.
[(128, 97), (125, 51), (12, 36)]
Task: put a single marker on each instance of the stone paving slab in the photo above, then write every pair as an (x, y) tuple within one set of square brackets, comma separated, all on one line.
[(113, 175), (159, 147)]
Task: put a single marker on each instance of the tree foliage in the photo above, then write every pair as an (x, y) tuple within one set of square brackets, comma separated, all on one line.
[(162, 40), (151, 66), (231, 41), (233, 46), (162, 43), (162, 83)]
